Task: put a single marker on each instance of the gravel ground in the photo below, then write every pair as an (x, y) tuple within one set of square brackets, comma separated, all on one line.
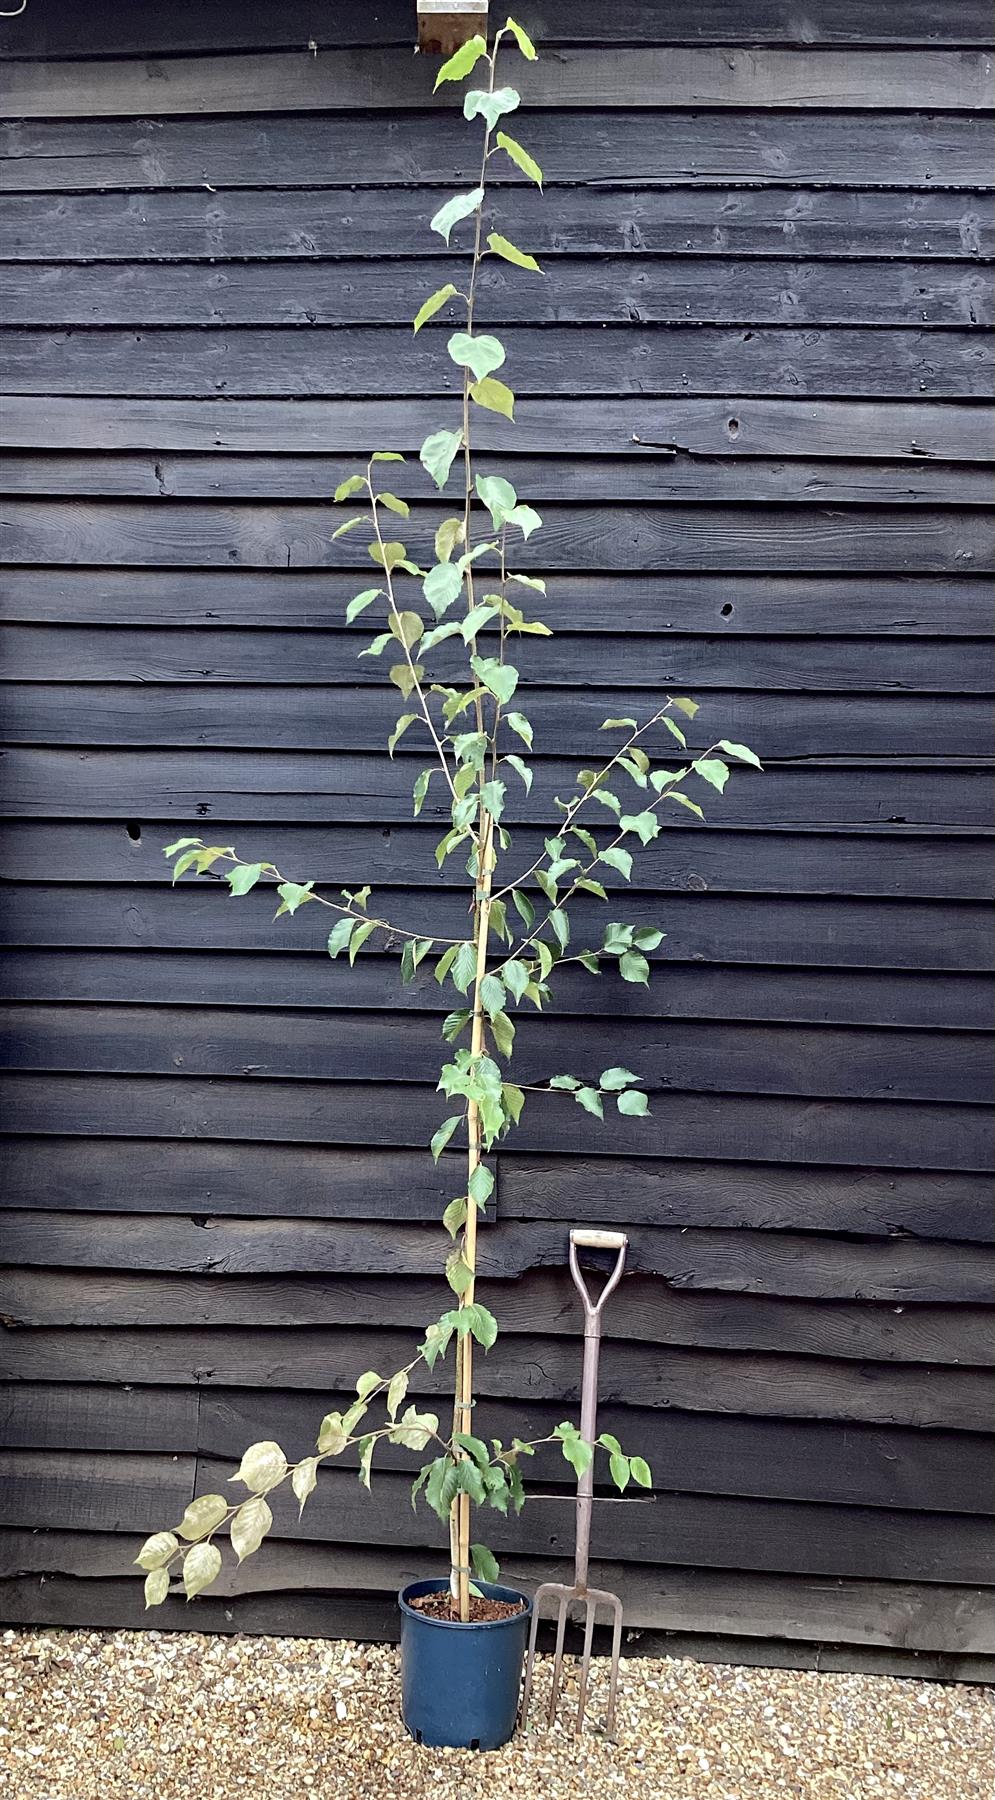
[(129, 1715)]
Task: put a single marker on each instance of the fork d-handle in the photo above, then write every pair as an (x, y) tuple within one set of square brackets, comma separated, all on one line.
[(591, 1240)]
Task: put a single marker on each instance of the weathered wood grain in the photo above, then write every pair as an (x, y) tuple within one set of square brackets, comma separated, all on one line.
[(820, 147), (674, 290), (735, 1261), (259, 223), (188, 25), (541, 1300), (761, 605), (701, 928), (887, 1134), (716, 861), (780, 1386), (631, 539), (917, 998), (713, 427), (79, 1416), (708, 1056)]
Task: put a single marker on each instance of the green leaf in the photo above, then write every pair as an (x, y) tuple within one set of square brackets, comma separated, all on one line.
[(474, 1446), (475, 620), (359, 937), (513, 1100), (561, 926), (393, 504), (503, 1033), (567, 1082), (387, 555), (353, 484), (520, 157), (675, 732), (500, 679), (617, 725), (249, 1526), (180, 844), (682, 800), (502, 246), (494, 396), (156, 1587), (646, 937), (304, 1480), (420, 790), (633, 1104), (619, 1466), (454, 1023), (590, 1100), (349, 525), (687, 707), (360, 603), (634, 967), (591, 887), (521, 769), (157, 1550), (462, 61), (437, 453), (263, 1466), (338, 937), (492, 994), (386, 456), (458, 1273), (243, 878), (713, 770), (483, 1325), (522, 39), (454, 1217), (641, 1471), (490, 105), (445, 963), (520, 725), (522, 904), (492, 795), (576, 1450), (497, 494), (459, 207), (612, 1079), (646, 825), (481, 355), (516, 977), (617, 858), (528, 521), (407, 627), (481, 1184), (485, 1563), (741, 752), (449, 535), (441, 586), (431, 306), (444, 1133), (400, 728), (200, 1566), (292, 895), (464, 966)]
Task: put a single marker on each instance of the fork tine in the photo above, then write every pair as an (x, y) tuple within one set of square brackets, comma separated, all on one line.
[(616, 1605), (561, 1626), (585, 1665), (529, 1664)]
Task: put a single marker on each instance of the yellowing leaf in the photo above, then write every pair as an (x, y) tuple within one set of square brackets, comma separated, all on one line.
[(494, 396), (502, 246), (431, 306)]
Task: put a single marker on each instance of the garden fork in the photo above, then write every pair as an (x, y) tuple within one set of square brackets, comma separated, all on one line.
[(592, 1597)]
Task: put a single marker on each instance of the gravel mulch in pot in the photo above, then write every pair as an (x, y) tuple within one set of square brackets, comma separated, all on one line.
[(123, 1715)]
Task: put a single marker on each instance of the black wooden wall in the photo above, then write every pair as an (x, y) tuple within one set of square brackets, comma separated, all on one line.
[(751, 386)]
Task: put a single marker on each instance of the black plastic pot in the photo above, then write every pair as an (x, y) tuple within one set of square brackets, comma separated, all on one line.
[(460, 1683)]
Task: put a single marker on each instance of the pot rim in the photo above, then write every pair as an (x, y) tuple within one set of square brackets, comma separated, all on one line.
[(494, 1590)]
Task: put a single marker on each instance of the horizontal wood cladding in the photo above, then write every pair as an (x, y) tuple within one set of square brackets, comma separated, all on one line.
[(392, 80), (712, 1260), (684, 1318), (890, 865), (103, 1174), (942, 1002), (803, 933), (323, 1362), (720, 604), (611, 359), (774, 1128), (654, 290), (754, 410), (737, 426), (629, 539), (308, 223), (707, 1056), (818, 147), (188, 25)]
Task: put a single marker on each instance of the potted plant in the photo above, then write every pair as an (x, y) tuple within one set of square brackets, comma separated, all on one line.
[(463, 1636)]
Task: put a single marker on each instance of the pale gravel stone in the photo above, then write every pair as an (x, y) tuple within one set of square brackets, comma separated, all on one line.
[(127, 1715)]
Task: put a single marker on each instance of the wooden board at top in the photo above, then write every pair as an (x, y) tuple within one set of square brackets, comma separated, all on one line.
[(392, 80)]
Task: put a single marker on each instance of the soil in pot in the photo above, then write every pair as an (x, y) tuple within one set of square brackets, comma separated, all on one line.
[(482, 1611)]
